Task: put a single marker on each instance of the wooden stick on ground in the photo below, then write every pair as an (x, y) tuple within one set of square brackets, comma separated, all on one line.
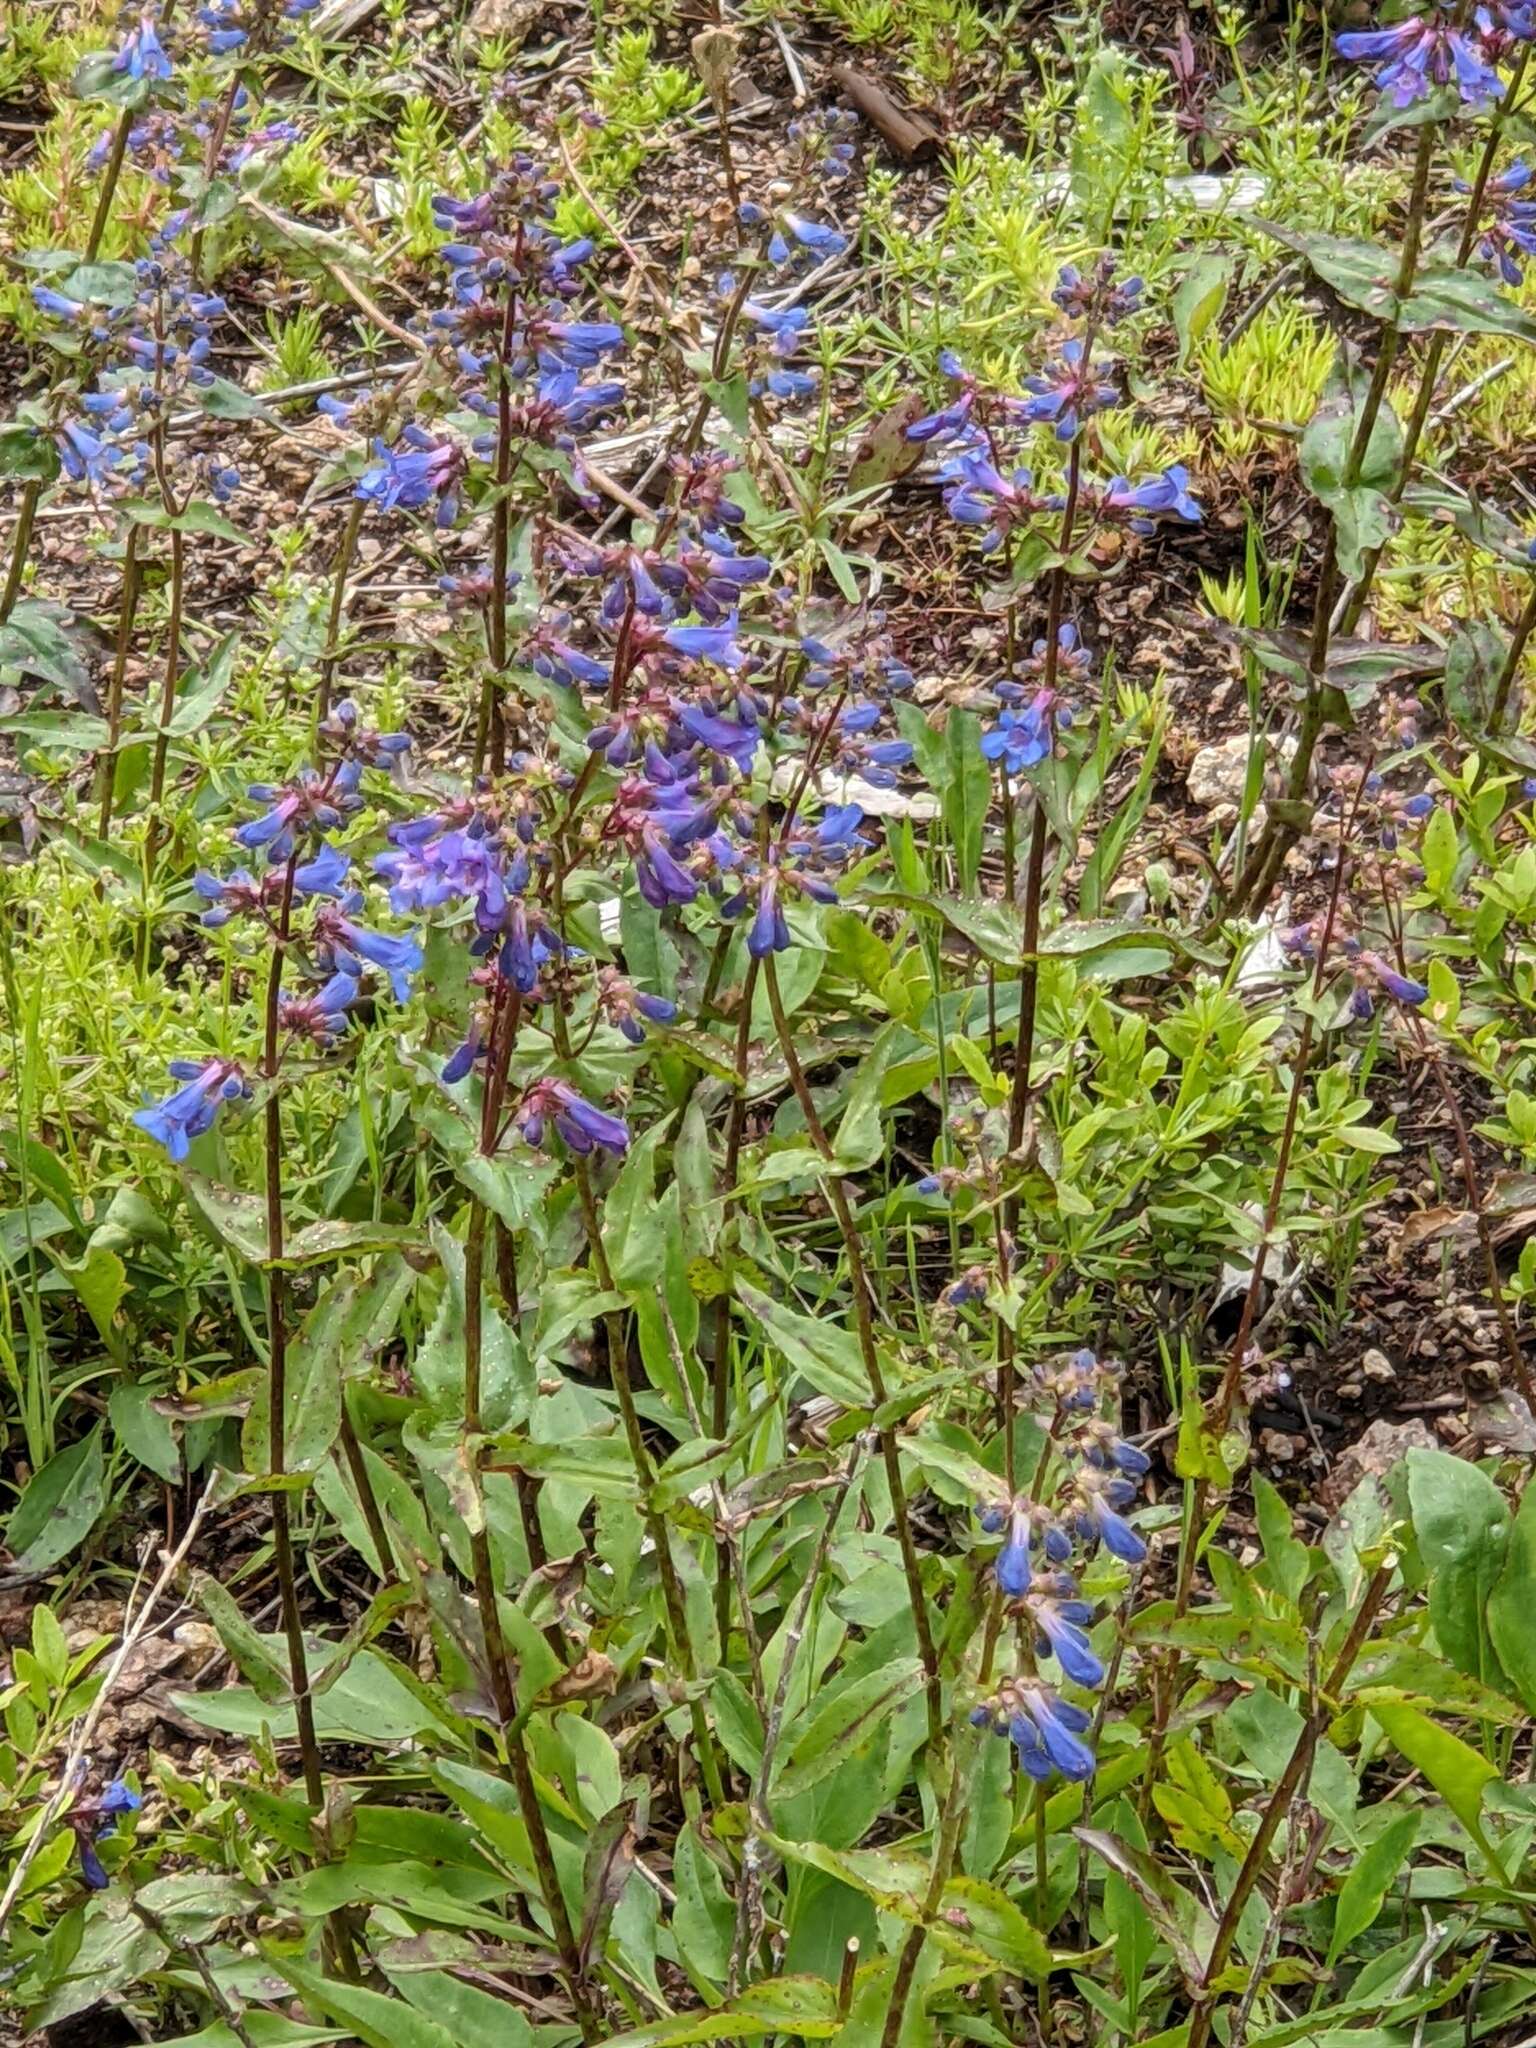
[(135, 1626)]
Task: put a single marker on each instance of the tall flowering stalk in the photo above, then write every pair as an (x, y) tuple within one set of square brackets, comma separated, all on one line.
[(501, 1041), (131, 75), (1496, 227), (991, 491), (1456, 49), (514, 366), (1374, 823), (299, 869), (1086, 1477)]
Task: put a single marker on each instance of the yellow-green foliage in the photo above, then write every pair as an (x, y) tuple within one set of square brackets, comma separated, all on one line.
[(1273, 373)]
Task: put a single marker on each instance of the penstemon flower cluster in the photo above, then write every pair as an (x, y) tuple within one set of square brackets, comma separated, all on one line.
[(1086, 1478), (305, 896), (1448, 46), (990, 489)]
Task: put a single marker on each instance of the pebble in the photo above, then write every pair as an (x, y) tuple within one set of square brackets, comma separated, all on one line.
[(1377, 1366)]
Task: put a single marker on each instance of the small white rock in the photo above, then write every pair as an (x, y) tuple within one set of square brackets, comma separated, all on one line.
[(1219, 773)]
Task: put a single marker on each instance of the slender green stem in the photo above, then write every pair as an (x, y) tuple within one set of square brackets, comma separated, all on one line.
[(109, 177), (21, 541), (367, 1499), (1290, 1786), (720, 1410), (1034, 877), (1514, 655), (170, 504), (1429, 379), (1166, 1683), (171, 672), (497, 1662), (1254, 886), (863, 1313), (277, 1346), (218, 135), (1034, 887), (1042, 1907), (32, 492), (951, 1822), (345, 554), (750, 1894), (491, 737), (127, 609), (506, 1010), (645, 1474)]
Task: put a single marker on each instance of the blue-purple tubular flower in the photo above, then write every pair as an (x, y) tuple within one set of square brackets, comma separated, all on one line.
[(583, 1126), (1011, 1569), (94, 1821), (1069, 392), (1511, 231), (142, 54), (1097, 1500), (1021, 739), (323, 1016), (310, 804), (187, 1112), (1162, 497), (1048, 1731), (1045, 1729), (1062, 1627), (427, 467), (85, 456), (1400, 987), (399, 957), (1422, 53)]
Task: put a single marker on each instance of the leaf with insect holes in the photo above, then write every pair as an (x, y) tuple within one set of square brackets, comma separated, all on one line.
[(1185, 1924), (1462, 1522), (855, 1719), (1198, 299), (27, 455), (607, 1867), (1354, 490), (59, 1505), (369, 2016), (101, 284), (820, 1349), (975, 1922), (100, 1279), (884, 453), (222, 400), (803, 2008), (1479, 522), (1474, 661), (100, 77), (143, 1431), (1513, 1601), (254, 1655), (1446, 297), (1458, 1773), (1363, 274), (1357, 670), (42, 640)]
